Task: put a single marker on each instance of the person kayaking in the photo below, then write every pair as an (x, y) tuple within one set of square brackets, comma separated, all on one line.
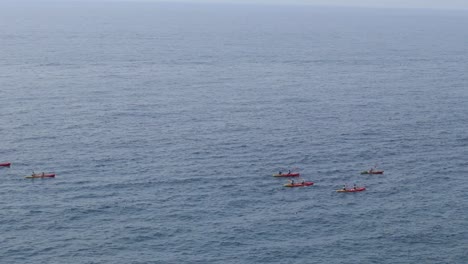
[(289, 171), (344, 187), (303, 182), (280, 172), (354, 187), (291, 181)]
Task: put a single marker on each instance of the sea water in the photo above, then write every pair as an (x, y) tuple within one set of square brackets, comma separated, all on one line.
[(165, 122)]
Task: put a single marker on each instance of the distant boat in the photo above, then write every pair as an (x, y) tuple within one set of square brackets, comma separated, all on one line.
[(299, 184), (292, 174), (40, 175), (372, 172), (5, 164), (358, 189)]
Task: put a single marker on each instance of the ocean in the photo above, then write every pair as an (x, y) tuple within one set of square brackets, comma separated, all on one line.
[(165, 122)]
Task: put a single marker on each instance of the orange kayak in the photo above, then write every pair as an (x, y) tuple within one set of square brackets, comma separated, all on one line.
[(358, 189)]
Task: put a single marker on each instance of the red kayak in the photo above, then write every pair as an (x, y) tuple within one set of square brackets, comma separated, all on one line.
[(358, 189), (294, 174), (299, 184), (6, 164), (40, 175)]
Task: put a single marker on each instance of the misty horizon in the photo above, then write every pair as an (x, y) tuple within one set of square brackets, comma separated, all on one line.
[(410, 4)]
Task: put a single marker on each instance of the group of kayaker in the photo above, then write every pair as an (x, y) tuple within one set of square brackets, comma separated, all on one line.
[(302, 183), (292, 183), (33, 175), (355, 188)]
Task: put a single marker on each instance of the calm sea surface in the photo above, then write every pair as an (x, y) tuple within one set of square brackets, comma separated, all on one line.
[(165, 123)]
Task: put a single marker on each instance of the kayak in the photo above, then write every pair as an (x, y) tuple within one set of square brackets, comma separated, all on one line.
[(6, 164), (46, 175), (359, 189), (294, 174), (371, 172), (299, 184)]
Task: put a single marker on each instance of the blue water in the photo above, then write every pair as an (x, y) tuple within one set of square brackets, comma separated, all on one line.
[(165, 122)]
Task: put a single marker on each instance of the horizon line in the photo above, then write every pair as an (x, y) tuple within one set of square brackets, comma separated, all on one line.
[(292, 3)]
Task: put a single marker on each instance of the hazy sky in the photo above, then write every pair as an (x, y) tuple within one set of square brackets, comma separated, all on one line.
[(433, 4), (445, 4)]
